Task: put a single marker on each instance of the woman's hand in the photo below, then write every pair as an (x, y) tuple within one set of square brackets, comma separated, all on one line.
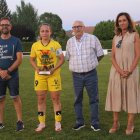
[(52, 71), (125, 73), (128, 73)]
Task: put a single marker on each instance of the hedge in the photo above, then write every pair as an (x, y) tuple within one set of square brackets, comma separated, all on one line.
[(106, 44), (27, 46)]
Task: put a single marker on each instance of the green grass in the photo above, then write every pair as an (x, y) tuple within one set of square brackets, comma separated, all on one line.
[(67, 98)]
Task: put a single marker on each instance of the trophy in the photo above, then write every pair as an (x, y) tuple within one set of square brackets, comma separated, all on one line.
[(44, 71)]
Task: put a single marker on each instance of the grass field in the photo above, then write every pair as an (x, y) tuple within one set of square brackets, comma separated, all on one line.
[(67, 97)]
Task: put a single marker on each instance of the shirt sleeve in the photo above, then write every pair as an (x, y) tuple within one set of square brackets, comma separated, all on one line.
[(98, 47), (19, 46), (58, 49), (33, 54)]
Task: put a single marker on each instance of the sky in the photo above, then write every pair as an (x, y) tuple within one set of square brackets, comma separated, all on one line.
[(90, 12)]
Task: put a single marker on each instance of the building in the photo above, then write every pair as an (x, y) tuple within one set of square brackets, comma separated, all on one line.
[(137, 23), (88, 29)]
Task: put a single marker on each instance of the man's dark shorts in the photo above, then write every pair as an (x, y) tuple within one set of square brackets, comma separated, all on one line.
[(13, 86)]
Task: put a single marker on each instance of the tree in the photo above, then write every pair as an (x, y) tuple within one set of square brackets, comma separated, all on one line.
[(54, 20), (25, 15), (62, 38), (104, 30), (23, 32), (4, 11)]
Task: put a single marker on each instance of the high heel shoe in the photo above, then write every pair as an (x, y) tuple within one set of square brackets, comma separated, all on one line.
[(114, 128), (129, 130)]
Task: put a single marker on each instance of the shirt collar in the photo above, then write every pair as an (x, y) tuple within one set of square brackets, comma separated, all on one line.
[(83, 36)]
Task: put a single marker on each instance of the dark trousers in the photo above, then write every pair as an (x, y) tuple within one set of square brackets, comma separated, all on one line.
[(89, 80)]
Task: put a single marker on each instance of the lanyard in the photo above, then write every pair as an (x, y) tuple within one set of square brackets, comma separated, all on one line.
[(79, 45)]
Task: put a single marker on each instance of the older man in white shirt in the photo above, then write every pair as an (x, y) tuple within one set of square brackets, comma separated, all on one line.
[(84, 51)]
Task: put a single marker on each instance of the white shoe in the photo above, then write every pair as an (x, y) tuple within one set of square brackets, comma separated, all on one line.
[(40, 127), (58, 126)]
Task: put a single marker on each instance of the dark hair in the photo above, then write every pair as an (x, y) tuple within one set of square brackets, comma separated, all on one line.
[(5, 18), (130, 28)]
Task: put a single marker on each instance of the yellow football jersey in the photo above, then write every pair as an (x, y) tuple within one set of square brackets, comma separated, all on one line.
[(46, 56)]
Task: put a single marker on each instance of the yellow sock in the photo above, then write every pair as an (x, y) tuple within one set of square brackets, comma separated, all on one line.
[(41, 117), (58, 116)]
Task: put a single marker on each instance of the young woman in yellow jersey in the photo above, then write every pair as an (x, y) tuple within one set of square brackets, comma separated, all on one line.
[(46, 58)]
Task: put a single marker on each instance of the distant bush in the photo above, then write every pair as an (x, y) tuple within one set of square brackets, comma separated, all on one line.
[(106, 44), (27, 46)]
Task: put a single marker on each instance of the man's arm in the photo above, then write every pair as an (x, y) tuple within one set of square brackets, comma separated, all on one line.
[(15, 65), (99, 50), (100, 57)]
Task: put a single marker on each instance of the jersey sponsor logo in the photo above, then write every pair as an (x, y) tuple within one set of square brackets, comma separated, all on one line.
[(46, 60)]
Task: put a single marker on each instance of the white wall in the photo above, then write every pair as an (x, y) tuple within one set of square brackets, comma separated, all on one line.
[(105, 52)]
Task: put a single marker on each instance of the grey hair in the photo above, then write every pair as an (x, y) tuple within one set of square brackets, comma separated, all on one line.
[(79, 21)]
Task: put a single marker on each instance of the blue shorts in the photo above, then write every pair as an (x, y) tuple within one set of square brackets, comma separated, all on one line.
[(13, 86)]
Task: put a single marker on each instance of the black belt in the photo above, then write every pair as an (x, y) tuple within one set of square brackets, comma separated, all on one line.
[(84, 73)]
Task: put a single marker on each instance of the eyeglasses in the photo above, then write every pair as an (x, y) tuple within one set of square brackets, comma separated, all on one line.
[(119, 43), (6, 25), (77, 27)]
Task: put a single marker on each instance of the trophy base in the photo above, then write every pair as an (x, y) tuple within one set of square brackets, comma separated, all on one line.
[(44, 73)]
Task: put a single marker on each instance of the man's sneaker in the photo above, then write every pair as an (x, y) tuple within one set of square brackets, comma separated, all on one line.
[(58, 126), (78, 126), (95, 127), (20, 126), (1, 126)]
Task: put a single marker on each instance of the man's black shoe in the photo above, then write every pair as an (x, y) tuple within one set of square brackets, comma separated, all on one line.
[(95, 127), (78, 126)]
